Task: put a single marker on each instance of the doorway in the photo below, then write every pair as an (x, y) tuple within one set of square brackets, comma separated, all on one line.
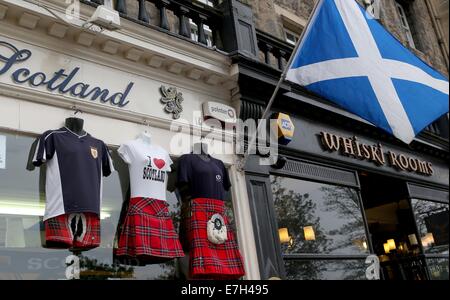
[(392, 228)]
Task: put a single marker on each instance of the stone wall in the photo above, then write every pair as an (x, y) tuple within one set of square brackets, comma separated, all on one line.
[(427, 46)]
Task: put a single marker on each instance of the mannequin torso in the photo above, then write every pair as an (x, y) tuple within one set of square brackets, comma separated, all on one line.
[(75, 125)]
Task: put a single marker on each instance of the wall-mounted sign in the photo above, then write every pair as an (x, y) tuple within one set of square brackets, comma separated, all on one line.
[(285, 128), (62, 81), (352, 147), (2, 152), (219, 111)]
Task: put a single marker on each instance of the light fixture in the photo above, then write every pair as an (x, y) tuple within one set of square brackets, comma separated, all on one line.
[(23, 208), (413, 239), (428, 240), (364, 244), (386, 248), (309, 233), (391, 244), (284, 235)]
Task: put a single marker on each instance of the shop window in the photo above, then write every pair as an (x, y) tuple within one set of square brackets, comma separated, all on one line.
[(23, 254), (316, 219), (326, 269), (432, 224), (438, 268)]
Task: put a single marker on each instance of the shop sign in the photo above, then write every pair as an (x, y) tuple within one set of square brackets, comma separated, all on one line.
[(352, 147), (219, 111), (2, 152), (285, 128), (62, 81)]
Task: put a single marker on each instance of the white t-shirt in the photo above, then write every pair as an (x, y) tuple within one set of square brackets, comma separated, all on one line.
[(149, 166)]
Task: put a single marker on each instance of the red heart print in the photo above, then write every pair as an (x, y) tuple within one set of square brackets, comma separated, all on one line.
[(160, 163)]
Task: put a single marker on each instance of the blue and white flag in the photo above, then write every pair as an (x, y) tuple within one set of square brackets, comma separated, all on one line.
[(348, 58)]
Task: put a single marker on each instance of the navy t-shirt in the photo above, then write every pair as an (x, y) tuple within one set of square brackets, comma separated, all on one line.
[(75, 167), (206, 179)]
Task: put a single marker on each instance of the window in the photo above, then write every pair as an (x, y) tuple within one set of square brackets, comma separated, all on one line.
[(23, 254), (405, 24), (316, 219), (432, 224), (291, 37)]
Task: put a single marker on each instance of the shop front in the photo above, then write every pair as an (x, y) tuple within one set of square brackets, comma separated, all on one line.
[(345, 199), (122, 87)]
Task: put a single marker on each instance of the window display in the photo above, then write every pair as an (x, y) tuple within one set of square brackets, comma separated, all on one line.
[(147, 234), (76, 163), (211, 256), (24, 250)]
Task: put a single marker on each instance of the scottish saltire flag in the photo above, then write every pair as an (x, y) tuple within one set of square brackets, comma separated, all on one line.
[(348, 58)]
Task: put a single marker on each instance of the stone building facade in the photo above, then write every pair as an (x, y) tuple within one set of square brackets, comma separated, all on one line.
[(276, 16)]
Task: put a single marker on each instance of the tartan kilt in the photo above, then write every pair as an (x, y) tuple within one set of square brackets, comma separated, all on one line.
[(208, 260), (147, 234), (77, 230)]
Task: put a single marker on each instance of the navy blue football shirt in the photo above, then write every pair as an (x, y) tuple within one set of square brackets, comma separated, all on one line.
[(75, 167), (206, 179)]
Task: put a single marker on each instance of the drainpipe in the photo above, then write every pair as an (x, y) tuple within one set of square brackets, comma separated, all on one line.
[(438, 29)]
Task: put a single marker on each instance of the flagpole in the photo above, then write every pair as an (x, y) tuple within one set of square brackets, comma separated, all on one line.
[(277, 87)]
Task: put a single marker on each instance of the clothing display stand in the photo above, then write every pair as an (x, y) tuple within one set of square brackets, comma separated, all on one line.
[(75, 124)]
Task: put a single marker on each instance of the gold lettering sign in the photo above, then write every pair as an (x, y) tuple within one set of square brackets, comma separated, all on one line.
[(352, 147)]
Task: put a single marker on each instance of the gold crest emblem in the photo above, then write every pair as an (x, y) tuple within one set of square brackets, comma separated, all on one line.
[(94, 152)]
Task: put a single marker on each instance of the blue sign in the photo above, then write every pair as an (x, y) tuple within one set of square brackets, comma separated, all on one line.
[(61, 81)]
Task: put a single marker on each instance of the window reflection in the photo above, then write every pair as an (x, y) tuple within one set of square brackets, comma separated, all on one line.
[(325, 269), (318, 218), (22, 238), (438, 268), (22, 242), (432, 223)]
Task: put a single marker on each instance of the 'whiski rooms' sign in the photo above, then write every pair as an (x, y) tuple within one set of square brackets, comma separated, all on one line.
[(352, 147)]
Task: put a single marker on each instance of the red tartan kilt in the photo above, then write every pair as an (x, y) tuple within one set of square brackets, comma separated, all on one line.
[(148, 234), (58, 233), (208, 260)]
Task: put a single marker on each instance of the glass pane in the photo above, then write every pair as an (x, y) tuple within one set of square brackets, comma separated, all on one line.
[(432, 223), (22, 236), (325, 269), (318, 218), (438, 268)]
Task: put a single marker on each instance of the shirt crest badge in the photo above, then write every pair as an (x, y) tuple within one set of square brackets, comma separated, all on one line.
[(94, 152)]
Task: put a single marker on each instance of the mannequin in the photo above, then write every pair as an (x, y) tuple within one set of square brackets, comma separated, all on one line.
[(201, 149), (146, 137), (75, 125)]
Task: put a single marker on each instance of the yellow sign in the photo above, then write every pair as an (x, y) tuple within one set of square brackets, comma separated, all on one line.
[(285, 128)]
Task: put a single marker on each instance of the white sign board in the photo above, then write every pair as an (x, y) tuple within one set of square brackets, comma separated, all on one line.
[(2, 152), (219, 111), (83, 80)]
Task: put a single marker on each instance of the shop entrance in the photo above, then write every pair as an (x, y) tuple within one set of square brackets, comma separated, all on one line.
[(392, 227)]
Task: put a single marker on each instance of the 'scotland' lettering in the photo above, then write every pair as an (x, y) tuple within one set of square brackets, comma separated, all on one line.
[(60, 81)]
